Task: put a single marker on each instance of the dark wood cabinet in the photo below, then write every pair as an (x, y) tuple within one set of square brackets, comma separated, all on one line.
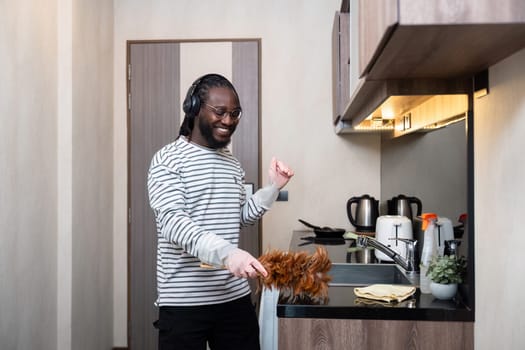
[(310, 334), (436, 45), (376, 21), (340, 63), (440, 39)]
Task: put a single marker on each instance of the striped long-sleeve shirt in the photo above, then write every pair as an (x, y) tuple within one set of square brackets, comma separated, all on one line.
[(199, 201)]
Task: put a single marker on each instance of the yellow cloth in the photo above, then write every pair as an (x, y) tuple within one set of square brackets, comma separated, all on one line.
[(385, 292), (370, 302)]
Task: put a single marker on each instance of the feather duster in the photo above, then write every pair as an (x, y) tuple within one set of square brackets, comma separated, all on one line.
[(301, 278)]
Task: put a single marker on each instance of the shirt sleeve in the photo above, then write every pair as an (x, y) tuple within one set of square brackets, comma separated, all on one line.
[(258, 204)]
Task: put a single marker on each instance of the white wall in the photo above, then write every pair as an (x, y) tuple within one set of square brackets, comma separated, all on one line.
[(295, 104), (56, 174), (499, 132)]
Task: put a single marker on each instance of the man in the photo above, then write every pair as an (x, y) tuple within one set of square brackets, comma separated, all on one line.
[(196, 190)]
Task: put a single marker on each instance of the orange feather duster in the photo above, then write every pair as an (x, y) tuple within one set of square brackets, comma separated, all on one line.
[(301, 278)]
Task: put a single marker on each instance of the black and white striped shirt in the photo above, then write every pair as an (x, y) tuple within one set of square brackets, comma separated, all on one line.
[(199, 201)]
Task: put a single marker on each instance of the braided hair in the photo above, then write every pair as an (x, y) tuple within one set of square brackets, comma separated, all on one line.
[(198, 93)]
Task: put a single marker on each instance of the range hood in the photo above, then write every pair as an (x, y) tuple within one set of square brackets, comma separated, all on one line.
[(398, 107)]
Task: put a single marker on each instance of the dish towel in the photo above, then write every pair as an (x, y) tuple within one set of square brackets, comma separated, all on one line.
[(370, 302), (385, 292), (268, 331)]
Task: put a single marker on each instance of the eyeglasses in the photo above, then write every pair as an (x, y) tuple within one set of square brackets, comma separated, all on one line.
[(221, 112)]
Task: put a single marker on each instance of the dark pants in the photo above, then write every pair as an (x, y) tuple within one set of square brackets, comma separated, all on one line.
[(231, 325)]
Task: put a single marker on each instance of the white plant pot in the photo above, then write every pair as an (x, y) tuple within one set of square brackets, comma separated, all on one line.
[(443, 291)]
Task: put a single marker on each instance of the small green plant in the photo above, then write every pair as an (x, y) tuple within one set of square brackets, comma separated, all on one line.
[(447, 269)]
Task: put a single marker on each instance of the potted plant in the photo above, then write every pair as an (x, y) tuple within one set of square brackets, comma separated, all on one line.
[(445, 272)]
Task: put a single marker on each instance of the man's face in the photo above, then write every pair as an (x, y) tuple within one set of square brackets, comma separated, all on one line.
[(210, 129)]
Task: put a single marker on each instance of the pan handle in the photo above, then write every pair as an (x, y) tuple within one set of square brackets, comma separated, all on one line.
[(309, 225)]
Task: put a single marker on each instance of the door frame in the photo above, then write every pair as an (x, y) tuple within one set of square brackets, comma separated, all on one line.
[(253, 176)]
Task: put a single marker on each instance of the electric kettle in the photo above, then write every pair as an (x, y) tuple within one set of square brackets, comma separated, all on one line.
[(402, 205), (365, 214)]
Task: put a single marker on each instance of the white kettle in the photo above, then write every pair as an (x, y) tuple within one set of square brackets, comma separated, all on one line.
[(390, 227)]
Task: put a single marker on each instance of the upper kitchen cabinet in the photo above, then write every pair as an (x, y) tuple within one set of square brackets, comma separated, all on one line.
[(340, 63), (414, 50), (375, 20), (437, 39)]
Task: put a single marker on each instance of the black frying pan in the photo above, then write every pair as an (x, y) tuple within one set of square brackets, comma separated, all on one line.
[(325, 232)]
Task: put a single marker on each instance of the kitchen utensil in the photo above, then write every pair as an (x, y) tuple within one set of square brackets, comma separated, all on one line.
[(442, 233), (323, 240), (365, 214), (325, 232), (388, 229), (402, 205)]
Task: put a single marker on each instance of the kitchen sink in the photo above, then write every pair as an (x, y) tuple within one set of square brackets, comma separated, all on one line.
[(366, 274)]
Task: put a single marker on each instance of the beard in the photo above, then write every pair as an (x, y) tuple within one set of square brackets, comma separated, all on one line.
[(206, 130)]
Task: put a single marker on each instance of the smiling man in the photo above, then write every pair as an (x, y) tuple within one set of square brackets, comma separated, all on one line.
[(196, 190)]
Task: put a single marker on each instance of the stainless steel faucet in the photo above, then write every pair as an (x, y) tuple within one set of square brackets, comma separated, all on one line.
[(410, 264)]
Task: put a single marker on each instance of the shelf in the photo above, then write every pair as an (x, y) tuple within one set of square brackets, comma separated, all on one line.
[(399, 96)]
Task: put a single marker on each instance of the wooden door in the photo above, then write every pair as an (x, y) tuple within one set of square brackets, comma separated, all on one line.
[(154, 116), (153, 122)]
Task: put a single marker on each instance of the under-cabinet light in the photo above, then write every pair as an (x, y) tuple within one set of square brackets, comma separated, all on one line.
[(445, 122)]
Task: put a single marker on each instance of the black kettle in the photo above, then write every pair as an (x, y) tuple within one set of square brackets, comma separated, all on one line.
[(402, 205), (365, 214)]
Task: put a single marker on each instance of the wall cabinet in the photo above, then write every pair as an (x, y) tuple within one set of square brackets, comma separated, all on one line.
[(437, 39), (340, 63), (378, 20), (420, 48)]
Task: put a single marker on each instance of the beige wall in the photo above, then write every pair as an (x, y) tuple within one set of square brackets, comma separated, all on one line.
[(296, 111), (56, 177), (295, 104), (56, 181), (28, 173), (499, 189), (92, 175)]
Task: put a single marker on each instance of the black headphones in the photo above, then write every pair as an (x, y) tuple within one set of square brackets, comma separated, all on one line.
[(192, 102)]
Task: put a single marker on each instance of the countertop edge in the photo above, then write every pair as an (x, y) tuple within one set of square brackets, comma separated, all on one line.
[(317, 311)]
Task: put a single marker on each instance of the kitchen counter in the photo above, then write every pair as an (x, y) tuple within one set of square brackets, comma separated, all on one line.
[(343, 304)]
